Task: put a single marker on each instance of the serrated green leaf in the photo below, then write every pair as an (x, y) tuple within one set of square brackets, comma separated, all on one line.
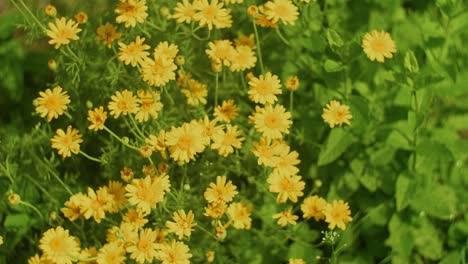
[(337, 142)]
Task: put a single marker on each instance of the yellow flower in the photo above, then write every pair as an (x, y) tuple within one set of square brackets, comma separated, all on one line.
[(266, 151), (215, 210), (287, 186), (264, 89), (144, 248), (50, 10), (210, 256), (182, 225), (292, 83), (244, 40), (52, 103), (262, 20), (1, 240), (313, 206), (221, 191), (67, 142), (111, 253), (117, 192), (378, 45), (81, 17), (157, 143), (99, 202), (146, 193), (62, 32), (226, 112), (174, 252), (150, 105), (97, 117), (336, 114), (283, 10), (36, 259), (196, 92), (158, 72), (134, 53), (74, 207), (185, 142), (296, 261), (226, 141), (271, 121), (58, 246), (131, 12), (126, 174), (243, 58), (240, 215), (337, 214), (183, 12), (166, 50), (221, 50), (14, 199), (135, 217), (209, 128), (122, 235), (107, 34), (212, 14), (286, 217), (123, 103), (90, 252), (287, 160)]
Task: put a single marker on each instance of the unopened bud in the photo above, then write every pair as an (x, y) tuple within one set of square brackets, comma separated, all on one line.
[(252, 10), (14, 199), (50, 10), (81, 17), (52, 64)]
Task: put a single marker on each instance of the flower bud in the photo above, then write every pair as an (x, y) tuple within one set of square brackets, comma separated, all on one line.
[(180, 60), (292, 83), (50, 10), (252, 10), (210, 255), (52, 64), (14, 199), (81, 17)]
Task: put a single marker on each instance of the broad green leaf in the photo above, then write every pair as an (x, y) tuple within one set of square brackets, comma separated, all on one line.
[(17, 221), (380, 214), (411, 63), (428, 240), (438, 201), (401, 239), (332, 66), (359, 109), (337, 142), (334, 39), (304, 251), (434, 151), (403, 192)]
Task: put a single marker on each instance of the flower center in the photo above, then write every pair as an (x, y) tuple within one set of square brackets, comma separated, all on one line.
[(57, 245), (143, 244), (209, 12), (185, 142), (378, 46), (263, 88), (228, 140), (272, 121), (52, 103)]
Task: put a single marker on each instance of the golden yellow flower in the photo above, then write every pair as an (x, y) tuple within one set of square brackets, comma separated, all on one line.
[(1, 240), (240, 215), (210, 256), (262, 20), (226, 112), (296, 261), (292, 83), (62, 32), (287, 160), (196, 92), (50, 10), (144, 248), (182, 224), (243, 58), (287, 186), (122, 235), (221, 191), (123, 103), (221, 50), (157, 143), (266, 152), (210, 128), (212, 14), (117, 191), (183, 12), (378, 45), (185, 142), (131, 12), (74, 207), (166, 50), (286, 217), (271, 121), (97, 117), (226, 141), (215, 210), (107, 34), (158, 72), (111, 253), (146, 193), (90, 252), (283, 10), (337, 214), (313, 206), (174, 252), (264, 88), (14, 198), (244, 40), (126, 174), (336, 114), (134, 53), (58, 246), (81, 17), (67, 142), (99, 202), (135, 217), (52, 103), (36, 259), (149, 105)]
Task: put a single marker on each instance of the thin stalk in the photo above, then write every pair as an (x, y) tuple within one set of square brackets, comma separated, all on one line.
[(291, 103), (33, 208), (280, 35), (61, 182), (136, 126), (91, 157), (415, 132), (120, 139), (259, 48), (216, 89), (32, 15)]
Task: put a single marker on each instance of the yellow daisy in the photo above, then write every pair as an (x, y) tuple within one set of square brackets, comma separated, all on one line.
[(134, 53), (262, 20), (287, 186), (183, 12), (174, 252), (158, 72), (244, 40), (182, 224), (196, 92), (264, 88), (126, 174), (144, 248), (210, 128), (283, 10), (226, 141), (146, 193), (131, 12), (149, 105), (243, 58), (215, 210), (313, 206), (99, 202), (240, 215), (226, 112), (292, 83), (67, 142), (337, 214), (212, 14), (378, 45), (97, 117), (58, 246), (286, 217), (287, 160), (81, 17), (135, 217), (336, 114), (296, 261), (185, 142), (74, 207), (271, 121), (107, 34), (221, 50), (123, 103), (221, 191), (62, 31), (265, 150), (52, 103), (166, 50), (111, 253), (117, 191), (50, 10)]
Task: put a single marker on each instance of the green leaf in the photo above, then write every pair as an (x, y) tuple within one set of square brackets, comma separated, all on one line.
[(333, 66), (17, 222), (303, 251), (359, 108), (439, 201), (334, 39), (302, 231), (434, 151), (428, 240), (401, 239), (403, 192), (337, 142), (411, 63)]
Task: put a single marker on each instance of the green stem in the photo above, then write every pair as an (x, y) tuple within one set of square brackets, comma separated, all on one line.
[(41, 188), (259, 48), (120, 139), (345, 83), (72, 53), (32, 15), (168, 94), (291, 103), (136, 126), (216, 89), (91, 157), (61, 182), (415, 130), (21, 11), (280, 35), (206, 231), (32, 207)]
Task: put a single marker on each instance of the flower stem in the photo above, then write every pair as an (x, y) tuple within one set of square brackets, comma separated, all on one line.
[(136, 126), (415, 130), (259, 49), (91, 157), (33, 208), (280, 35), (216, 89), (32, 15), (120, 139), (291, 103)]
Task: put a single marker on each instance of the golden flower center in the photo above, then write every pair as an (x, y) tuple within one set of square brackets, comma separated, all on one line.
[(57, 245), (378, 45), (185, 142), (67, 141), (53, 102), (65, 33), (129, 9), (209, 12), (122, 105), (143, 244), (272, 121), (287, 185), (144, 194), (228, 140), (263, 88)]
